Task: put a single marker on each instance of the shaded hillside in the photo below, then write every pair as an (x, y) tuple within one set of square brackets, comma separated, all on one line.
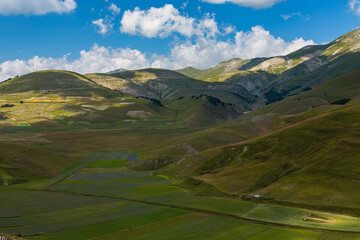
[(257, 123), (341, 88), (203, 110), (310, 159), (232, 132), (247, 84), (269, 118), (19, 163), (55, 82), (276, 78), (170, 85), (339, 57)]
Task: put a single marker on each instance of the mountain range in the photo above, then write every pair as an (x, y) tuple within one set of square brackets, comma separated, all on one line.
[(286, 127)]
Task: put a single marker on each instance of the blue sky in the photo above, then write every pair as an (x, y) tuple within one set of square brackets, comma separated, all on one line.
[(189, 33)]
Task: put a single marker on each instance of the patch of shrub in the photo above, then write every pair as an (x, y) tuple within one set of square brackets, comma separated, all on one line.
[(341, 102), (2, 116), (7, 105), (157, 102), (274, 96), (246, 197)]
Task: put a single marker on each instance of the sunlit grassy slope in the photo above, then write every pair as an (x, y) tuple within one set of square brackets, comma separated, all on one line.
[(307, 158), (282, 76), (55, 82)]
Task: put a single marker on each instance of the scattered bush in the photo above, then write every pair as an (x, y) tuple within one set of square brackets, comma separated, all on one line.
[(2, 116), (274, 96), (157, 102), (341, 102), (7, 105)]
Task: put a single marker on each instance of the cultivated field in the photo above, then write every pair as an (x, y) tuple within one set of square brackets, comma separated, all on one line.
[(100, 200)]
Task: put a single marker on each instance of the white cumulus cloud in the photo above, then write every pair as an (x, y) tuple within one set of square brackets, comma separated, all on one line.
[(354, 6), (288, 16), (203, 52), (36, 7), (114, 9), (164, 21), (257, 4), (97, 59), (208, 52), (103, 25)]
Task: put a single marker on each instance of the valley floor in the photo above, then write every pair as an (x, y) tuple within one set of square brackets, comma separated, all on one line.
[(101, 199)]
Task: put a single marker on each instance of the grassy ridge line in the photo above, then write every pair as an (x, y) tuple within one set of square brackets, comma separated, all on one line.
[(91, 158), (203, 211)]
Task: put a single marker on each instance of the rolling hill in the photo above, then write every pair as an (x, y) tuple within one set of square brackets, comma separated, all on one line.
[(19, 163), (273, 79), (301, 159), (169, 85), (55, 82), (232, 65), (203, 110), (257, 123), (247, 84)]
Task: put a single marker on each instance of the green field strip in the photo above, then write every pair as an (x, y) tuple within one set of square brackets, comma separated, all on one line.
[(12, 226), (116, 188), (162, 193), (101, 163), (33, 184), (285, 234), (20, 203), (339, 236), (261, 213), (99, 170), (151, 227), (77, 217), (108, 227), (89, 159), (311, 226), (212, 227)]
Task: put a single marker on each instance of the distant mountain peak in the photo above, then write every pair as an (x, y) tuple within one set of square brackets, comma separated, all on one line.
[(117, 70)]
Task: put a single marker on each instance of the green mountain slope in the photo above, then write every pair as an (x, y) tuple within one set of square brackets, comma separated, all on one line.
[(226, 67), (223, 67), (55, 82), (273, 79), (171, 86), (339, 57), (257, 123), (248, 84), (313, 161), (19, 163), (203, 110), (308, 158)]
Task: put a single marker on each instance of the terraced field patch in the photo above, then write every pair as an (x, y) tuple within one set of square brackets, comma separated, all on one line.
[(214, 227), (62, 216), (143, 186), (98, 199)]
